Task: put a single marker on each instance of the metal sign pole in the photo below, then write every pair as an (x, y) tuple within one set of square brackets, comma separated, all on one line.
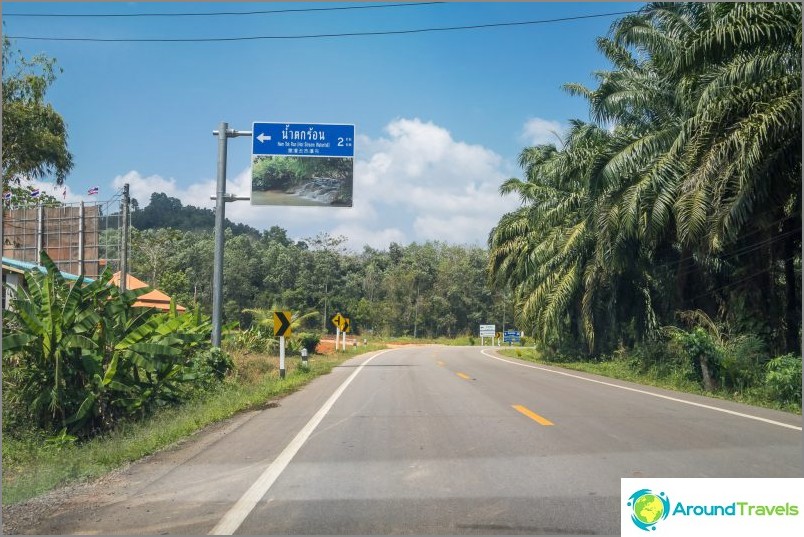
[(220, 204), (223, 134), (281, 357)]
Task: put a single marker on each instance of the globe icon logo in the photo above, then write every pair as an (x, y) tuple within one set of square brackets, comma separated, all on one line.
[(648, 508)]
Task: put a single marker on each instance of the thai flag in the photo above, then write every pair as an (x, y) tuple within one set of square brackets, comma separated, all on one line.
[(35, 193), (7, 195), (94, 190)]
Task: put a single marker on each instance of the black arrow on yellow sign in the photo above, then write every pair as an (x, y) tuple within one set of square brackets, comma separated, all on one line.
[(337, 320), (282, 323), (346, 325)]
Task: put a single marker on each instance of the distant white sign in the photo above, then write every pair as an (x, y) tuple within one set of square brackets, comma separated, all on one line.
[(487, 330)]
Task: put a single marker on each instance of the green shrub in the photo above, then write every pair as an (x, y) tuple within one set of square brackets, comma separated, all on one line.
[(703, 352), (210, 367), (308, 340), (741, 362), (663, 358), (783, 379), (255, 339)]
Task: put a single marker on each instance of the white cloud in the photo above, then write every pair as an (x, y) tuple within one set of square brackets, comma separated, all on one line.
[(141, 187), (537, 131), (358, 236), (474, 228), (416, 183)]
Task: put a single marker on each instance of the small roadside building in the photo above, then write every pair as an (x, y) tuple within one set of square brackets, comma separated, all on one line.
[(14, 269), (152, 299)]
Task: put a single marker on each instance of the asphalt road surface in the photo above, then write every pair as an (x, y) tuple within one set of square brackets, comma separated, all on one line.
[(435, 440)]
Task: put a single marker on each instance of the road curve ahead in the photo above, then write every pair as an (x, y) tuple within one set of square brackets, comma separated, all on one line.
[(437, 440)]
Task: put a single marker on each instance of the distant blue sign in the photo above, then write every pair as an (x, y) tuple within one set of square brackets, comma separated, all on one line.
[(511, 336), (303, 140)]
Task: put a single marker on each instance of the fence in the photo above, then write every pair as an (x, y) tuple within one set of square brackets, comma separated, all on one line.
[(81, 238)]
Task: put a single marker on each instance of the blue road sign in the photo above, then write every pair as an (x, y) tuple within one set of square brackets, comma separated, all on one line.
[(303, 139), (511, 336)]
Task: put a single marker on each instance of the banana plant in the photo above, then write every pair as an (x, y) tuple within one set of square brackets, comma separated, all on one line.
[(50, 338), (82, 356)]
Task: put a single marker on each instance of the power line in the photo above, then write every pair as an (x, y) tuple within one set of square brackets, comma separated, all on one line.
[(727, 257), (220, 13), (318, 36), (737, 282)]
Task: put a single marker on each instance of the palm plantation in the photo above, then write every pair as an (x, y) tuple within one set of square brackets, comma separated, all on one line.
[(683, 195)]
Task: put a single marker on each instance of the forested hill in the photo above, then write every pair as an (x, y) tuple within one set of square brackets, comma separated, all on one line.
[(166, 212)]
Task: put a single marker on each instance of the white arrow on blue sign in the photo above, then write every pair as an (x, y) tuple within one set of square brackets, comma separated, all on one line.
[(303, 139), (511, 336)]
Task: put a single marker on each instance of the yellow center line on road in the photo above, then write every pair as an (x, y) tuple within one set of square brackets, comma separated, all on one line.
[(532, 415), (464, 376)]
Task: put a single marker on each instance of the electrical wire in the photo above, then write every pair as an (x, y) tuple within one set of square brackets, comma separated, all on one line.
[(714, 292), (320, 36), (221, 13)]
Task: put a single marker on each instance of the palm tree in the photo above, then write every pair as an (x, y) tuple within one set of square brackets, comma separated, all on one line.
[(706, 103), (698, 172), (564, 266), (737, 73)]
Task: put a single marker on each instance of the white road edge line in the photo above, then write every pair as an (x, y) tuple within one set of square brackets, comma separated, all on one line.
[(240, 510), (748, 416)]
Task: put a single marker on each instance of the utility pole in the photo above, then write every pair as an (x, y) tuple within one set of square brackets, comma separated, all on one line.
[(326, 297), (124, 225), (416, 311), (503, 306), (223, 134)]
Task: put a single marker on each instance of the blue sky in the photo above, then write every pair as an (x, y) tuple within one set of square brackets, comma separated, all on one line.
[(439, 117)]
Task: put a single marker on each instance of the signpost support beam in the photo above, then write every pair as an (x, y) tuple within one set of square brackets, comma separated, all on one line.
[(281, 357), (220, 205), (223, 133)]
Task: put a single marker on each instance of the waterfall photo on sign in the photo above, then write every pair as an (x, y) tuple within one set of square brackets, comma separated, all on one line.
[(302, 180)]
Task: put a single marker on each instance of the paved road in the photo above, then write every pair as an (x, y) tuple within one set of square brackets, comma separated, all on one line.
[(437, 440)]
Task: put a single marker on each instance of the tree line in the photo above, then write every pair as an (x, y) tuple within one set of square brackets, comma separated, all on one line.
[(425, 290)]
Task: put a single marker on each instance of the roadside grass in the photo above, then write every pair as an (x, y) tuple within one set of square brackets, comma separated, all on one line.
[(668, 379), (410, 340), (34, 464)]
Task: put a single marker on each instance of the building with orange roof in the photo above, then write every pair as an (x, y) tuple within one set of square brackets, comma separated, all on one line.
[(152, 299)]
